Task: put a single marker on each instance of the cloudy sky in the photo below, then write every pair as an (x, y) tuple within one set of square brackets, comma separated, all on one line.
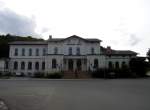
[(121, 24)]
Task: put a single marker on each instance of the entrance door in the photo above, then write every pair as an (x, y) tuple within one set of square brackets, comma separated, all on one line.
[(79, 64), (70, 64)]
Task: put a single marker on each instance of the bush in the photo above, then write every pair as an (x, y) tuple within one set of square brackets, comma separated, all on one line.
[(113, 73), (99, 73), (56, 75), (139, 66), (123, 73), (38, 75), (7, 74), (1, 74)]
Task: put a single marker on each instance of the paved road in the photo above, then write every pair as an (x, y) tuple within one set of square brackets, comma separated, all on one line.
[(115, 94)]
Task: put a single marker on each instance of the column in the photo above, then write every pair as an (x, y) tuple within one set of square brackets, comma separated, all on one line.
[(82, 64), (74, 64), (66, 64)]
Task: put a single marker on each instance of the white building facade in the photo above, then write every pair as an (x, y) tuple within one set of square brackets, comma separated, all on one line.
[(68, 54)]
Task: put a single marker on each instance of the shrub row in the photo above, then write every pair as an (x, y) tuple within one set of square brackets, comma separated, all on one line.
[(113, 73), (56, 75)]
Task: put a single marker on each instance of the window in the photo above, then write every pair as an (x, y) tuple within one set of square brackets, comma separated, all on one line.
[(37, 52), (29, 65), (54, 63), (117, 64), (37, 65), (55, 50), (123, 64), (6, 64), (70, 50), (44, 52), (96, 63), (15, 65), (30, 52), (43, 65), (110, 65), (23, 52), (16, 52), (78, 51), (92, 50), (79, 64), (22, 65)]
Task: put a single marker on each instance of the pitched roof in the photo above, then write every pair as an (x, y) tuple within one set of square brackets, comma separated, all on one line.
[(28, 43), (117, 52), (75, 36)]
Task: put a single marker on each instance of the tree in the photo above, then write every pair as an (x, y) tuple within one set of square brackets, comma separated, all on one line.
[(148, 55), (139, 66), (5, 39)]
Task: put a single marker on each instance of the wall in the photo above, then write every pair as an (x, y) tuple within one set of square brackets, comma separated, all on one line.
[(118, 59), (2, 65)]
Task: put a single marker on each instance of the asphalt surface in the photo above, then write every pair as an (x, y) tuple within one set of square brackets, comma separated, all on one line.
[(114, 94)]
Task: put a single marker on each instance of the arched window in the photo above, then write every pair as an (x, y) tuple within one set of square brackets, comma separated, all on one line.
[(110, 65), (16, 52), (117, 64), (37, 52), (55, 50), (54, 63), (43, 65), (29, 65), (6, 64), (123, 64), (22, 65), (95, 63), (23, 52), (70, 50), (78, 51), (15, 65), (92, 51), (37, 65), (30, 52)]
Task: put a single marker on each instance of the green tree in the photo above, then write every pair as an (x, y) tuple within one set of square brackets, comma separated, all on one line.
[(148, 55), (139, 66), (5, 39)]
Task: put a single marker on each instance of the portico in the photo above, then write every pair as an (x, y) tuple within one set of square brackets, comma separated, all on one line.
[(72, 64)]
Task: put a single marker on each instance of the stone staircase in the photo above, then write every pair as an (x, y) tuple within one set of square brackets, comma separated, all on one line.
[(78, 75)]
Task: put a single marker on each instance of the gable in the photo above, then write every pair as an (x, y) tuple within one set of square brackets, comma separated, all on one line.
[(74, 40)]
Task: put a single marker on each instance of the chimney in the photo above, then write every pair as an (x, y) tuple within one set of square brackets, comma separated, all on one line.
[(108, 50), (50, 37)]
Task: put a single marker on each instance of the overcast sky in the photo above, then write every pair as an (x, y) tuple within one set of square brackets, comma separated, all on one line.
[(121, 24)]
